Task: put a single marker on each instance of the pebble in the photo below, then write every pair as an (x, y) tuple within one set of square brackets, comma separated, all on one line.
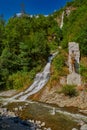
[(48, 128), (83, 127), (74, 129), (20, 108), (38, 122), (16, 109), (42, 124), (81, 123), (35, 125)]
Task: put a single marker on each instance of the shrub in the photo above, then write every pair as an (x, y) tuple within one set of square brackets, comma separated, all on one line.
[(69, 90), (18, 80), (59, 62)]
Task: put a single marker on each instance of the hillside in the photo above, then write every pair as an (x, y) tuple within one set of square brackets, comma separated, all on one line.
[(27, 42), (74, 30)]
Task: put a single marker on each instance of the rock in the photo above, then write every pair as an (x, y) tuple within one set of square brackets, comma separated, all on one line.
[(74, 79), (63, 80), (74, 129), (42, 124), (16, 109), (4, 109), (32, 121), (83, 127), (81, 123), (38, 122), (20, 108), (48, 128), (26, 104), (45, 128)]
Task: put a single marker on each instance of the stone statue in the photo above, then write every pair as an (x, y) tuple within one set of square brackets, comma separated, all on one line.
[(74, 78), (73, 61)]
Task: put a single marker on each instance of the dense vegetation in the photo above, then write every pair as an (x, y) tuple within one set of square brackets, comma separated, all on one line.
[(75, 25), (26, 43)]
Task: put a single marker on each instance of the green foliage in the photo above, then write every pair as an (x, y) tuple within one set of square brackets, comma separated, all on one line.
[(25, 43), (21, 79), (25, 47), (18, 80), (69, 90), (83, 71), (59, 62), (75, 26)]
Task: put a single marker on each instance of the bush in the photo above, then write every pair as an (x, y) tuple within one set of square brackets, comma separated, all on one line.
[(59, 62), (18, 80), (69, 90)]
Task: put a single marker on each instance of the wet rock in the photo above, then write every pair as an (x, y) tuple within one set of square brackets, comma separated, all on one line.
[(32, 121), (84, 127), (38, 122)]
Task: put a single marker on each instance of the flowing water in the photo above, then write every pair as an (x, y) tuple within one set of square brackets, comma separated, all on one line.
[(39, 82), (62, 20), (54, 117)]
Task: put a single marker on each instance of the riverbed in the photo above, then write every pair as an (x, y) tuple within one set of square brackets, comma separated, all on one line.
[(54, 117)]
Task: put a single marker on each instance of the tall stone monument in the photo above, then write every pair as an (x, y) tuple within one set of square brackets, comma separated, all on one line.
[(74, 77)]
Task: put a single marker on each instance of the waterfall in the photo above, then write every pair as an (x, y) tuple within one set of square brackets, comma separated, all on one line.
[(62, 20), (40, 81)]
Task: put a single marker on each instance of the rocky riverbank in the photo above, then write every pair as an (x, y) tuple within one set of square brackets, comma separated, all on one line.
[(52, 96), (10, 121)]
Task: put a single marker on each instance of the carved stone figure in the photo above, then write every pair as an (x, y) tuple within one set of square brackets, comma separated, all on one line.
[(73, 61), (74, 78)]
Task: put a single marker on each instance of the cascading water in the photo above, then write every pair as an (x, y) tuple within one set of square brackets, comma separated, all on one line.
[(62, 20), (43, 111), (39, 82)]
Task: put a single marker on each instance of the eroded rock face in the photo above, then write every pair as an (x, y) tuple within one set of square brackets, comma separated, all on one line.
[(74, 77)]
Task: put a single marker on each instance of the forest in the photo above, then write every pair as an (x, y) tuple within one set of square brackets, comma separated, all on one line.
[(26, 43)]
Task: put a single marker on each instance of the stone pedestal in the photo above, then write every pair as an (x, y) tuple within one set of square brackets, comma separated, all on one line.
[(74, 79)]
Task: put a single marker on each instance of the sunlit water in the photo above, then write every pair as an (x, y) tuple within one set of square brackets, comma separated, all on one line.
[(54, 117), (62, 20), (39, 82)]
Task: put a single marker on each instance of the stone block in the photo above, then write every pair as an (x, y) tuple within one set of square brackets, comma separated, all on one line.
[(74, 79)]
